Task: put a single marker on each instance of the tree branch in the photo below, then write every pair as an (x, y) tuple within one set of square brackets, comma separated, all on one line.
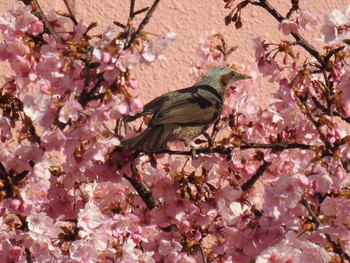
[(328, 111), (300, 40), (228, 150), (251, 181), (38, 12), (315, 219), (143, 191), (142, 24), (68, 4)]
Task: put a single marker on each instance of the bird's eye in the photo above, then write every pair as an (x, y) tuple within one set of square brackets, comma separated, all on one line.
[(226, 78)]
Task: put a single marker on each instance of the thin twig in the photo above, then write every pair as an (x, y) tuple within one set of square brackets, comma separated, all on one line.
[(3, 172), (300, 40), (338, 249), (127, 28), (132, 8), (28, 255), (40, 14), (70, 11), (251, 181), (142, 24), (141, 11), (314, 217), (328, 110), (87, 96), (314, 122), (143, 191), (202, 253)]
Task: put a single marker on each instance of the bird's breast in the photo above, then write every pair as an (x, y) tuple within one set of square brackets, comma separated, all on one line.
[(188, 132)]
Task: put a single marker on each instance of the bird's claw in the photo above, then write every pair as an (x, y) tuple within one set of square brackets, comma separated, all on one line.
[(193, 153), (209, 139)]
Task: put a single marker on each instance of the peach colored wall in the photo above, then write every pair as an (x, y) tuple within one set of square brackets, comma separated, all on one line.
[(189, 19)]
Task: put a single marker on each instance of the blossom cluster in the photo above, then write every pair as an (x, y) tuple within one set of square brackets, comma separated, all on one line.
[(66, 190)]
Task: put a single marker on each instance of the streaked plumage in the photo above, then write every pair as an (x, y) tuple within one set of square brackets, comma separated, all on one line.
[(184, 114)]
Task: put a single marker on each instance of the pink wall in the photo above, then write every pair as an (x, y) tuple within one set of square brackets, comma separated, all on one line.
[(189, 20)]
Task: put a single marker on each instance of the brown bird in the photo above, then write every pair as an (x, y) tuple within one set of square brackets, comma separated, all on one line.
[(183, 114)]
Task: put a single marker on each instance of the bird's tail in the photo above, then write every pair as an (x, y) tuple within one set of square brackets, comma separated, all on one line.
[(153, 139)]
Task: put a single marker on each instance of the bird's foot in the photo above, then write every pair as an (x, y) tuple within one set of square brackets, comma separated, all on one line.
[(193, 153), (209, 139), (193, 150)]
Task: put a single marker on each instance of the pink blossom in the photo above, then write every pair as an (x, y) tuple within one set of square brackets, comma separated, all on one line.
[(56, 21), (282, 253), (260, 47), (119, 107), (100, 55), (83, 251), (129, 252), (344, 82), (137, 235), (126, 61), (21, 65), (16, 254), (306, 18), (4, 55), (234, 213), (156, 49), (110, 72), (164, 189), (321, 179), (132, 83), (50, 66), (289, 192), (169, 247), (36, 28), (331, 206), (5, 129), (230, 207), (70, 111), (39, 222), (17, 48), (36, 107), (180, 208), (23, 154), (301, 179), (79, 30), (16, 22), (136, 106), (288, 26), (98, 151), (35, 194), (270, 68), (68, 184), (14, 204), (335, 25), (53, 140), (185, 226), (313, 252), (90, 217)]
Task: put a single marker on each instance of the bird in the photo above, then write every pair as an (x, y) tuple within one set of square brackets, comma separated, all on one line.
[(184, 114)]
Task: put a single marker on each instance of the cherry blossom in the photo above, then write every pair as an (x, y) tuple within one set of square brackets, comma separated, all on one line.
[(271, 186), (288, 26)]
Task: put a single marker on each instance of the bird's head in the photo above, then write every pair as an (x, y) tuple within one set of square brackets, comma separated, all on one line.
[(221, 78)]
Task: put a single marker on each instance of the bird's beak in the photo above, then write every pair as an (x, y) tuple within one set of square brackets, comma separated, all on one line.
[(243, 76)]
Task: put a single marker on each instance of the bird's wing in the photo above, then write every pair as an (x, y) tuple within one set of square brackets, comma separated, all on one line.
[(153, 139), (155, 104), (150, 108), (195, 105)]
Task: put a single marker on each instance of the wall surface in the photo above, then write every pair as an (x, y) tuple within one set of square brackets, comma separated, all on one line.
[(189, 20)]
